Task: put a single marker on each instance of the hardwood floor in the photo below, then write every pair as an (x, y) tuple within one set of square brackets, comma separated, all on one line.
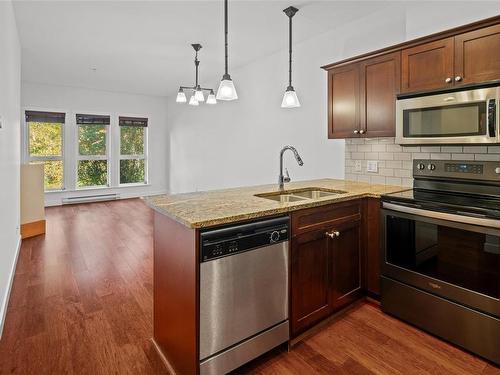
[(81, 303)]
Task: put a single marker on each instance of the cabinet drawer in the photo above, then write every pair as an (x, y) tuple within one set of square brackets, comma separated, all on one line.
[(324, 216)]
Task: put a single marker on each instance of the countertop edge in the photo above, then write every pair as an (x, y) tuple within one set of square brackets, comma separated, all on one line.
[(258, 214)]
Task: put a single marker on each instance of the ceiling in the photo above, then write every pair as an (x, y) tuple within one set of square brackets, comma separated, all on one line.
[(144, 46)]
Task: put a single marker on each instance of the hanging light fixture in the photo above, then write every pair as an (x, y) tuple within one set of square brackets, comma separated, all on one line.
[(211, 98), (226, 89), (197, 91), (290, 99)]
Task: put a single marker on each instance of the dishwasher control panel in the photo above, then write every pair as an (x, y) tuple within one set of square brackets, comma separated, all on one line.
[(221, 242)]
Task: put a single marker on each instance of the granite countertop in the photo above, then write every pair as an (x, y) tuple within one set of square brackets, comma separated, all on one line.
[(210, 208)]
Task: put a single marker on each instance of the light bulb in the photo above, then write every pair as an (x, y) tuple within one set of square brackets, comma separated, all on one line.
[(181, 97), (193, 101), (198, 95), (226, 90), (211, 98), (290, 99)]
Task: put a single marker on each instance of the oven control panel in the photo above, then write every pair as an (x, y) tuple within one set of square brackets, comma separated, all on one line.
[(469, 170), (464, 168)]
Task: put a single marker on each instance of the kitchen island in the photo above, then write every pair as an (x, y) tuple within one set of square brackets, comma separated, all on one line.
[(350, 207)]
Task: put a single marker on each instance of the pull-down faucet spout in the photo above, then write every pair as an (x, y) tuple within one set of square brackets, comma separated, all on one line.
[(281, 178)]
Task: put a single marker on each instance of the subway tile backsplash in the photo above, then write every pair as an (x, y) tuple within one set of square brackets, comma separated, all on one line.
[(395, 162)]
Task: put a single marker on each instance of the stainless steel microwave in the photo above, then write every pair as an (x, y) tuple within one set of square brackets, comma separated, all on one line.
[(462, 116)]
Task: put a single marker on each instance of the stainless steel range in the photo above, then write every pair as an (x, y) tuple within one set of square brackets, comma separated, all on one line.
[(441, 253)]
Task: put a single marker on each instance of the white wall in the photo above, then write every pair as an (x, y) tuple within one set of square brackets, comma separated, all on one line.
[(73, 100), (237, 143), (10, 81)]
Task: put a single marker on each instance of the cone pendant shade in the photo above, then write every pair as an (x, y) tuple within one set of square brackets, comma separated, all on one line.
[(290, 99), (226, 89)]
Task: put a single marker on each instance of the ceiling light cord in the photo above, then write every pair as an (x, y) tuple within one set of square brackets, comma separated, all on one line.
[(225, 38), (196, 63), (290, 51)]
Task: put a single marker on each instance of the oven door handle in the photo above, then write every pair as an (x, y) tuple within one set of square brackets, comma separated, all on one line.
[(491, 223)]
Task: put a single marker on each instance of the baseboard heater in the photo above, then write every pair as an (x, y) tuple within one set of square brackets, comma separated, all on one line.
[(91, 198)]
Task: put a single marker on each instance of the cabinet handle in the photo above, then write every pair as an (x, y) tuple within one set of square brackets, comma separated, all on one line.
[(333, 234), (361, 132), (356, 131), (448, 80), (458, 78)]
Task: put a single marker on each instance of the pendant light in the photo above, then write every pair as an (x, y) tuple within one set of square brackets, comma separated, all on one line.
[(226, 89), (290, 99), (197, 91)]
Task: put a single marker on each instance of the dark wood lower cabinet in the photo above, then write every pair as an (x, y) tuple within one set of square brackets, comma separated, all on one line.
[(371, 247), (310, 279), (346, 264), (326, 263)]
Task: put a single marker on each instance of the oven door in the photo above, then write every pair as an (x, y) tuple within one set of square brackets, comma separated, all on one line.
[(470, 116), (449, 255)]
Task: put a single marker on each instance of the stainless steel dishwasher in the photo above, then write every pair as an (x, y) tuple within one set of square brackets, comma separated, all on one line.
[(243, 293)]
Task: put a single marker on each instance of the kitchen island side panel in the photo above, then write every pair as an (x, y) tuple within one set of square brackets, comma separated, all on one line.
[(176, 294)]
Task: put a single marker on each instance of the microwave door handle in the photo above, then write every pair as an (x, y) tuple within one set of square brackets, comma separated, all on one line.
[(491, 118)]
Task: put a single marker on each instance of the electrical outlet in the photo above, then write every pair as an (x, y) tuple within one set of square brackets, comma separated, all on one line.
[(357, 166), (372, 166)]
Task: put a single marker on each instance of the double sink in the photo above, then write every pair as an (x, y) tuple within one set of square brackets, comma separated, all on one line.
[(300, 195)]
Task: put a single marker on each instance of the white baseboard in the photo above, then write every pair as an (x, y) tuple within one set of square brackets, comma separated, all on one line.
[(5, 302), (57, 200)]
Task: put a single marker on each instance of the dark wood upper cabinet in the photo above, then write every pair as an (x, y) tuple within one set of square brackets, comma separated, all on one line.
[(427, 66), (380, 79), (343, 102), (310, 280), (362, 90), (477, 56), (362, 97), (346, 265)]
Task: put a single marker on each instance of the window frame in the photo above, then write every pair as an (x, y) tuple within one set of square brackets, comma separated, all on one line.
[(106, 156), (28, 159), (144, 156)]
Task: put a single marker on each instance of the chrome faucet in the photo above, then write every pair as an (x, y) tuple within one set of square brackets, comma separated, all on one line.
[(282, 179)]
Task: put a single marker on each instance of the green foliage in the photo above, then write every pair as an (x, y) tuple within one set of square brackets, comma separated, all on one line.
[(53, 172), (131, 140), (92, 173), (92, 139), (45, 139), (132, 171)]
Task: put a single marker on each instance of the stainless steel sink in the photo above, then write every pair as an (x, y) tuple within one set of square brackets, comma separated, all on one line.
[(315, 194), (300, 195), (283, 198)]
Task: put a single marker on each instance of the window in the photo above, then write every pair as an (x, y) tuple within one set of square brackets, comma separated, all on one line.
[(133, 150), (45, 145), (92, 157)]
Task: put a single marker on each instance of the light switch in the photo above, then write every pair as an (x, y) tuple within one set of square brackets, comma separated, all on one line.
[(1, 122), (357, 166), (372, 166)]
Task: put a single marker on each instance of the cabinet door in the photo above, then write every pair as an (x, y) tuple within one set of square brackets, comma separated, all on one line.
[(371, 246), (346, 264), (380, 83), (310, 280), (343, 102), (428, 66), (477, 56)]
